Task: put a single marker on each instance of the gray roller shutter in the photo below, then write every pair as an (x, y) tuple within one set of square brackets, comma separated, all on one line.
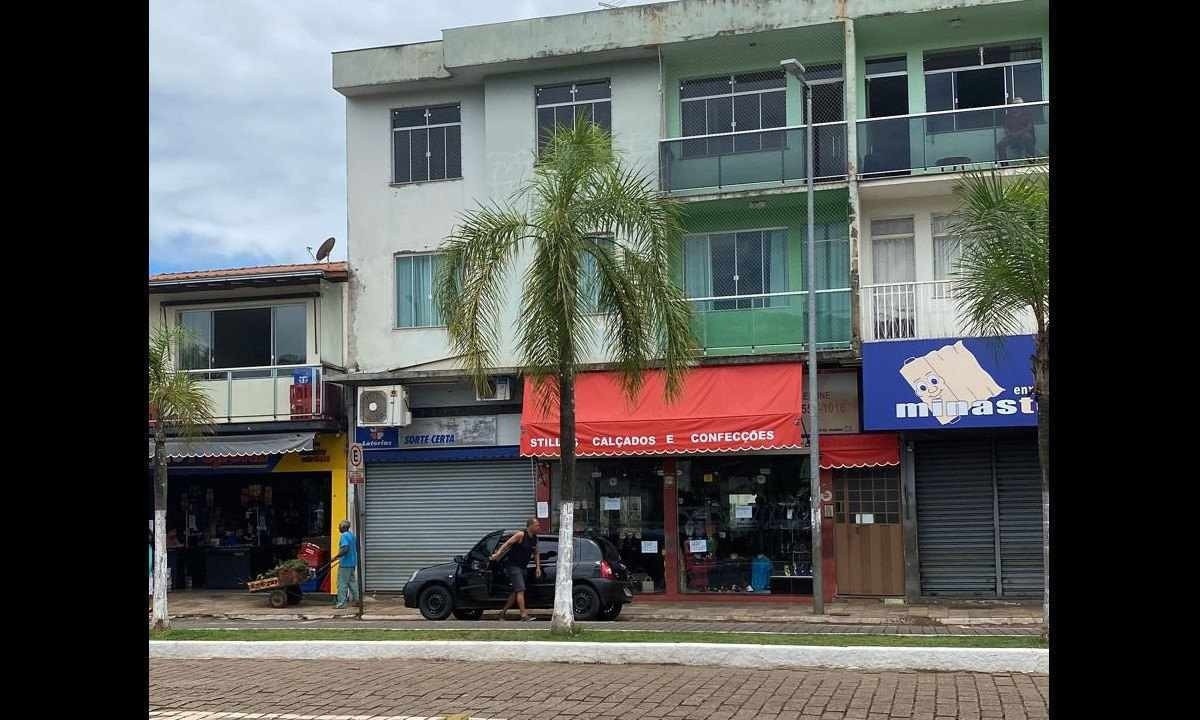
[(1019, 487), (421, 514), (979, 516), (955, 528)]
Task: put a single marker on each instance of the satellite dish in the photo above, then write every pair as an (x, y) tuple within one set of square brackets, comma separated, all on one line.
[(325, 249)]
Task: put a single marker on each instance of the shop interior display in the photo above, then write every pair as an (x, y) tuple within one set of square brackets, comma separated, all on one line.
[(223, 531), (742, 522)]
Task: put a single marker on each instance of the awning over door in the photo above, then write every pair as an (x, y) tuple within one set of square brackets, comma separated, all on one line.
[(730, 408), (859, 450), (237, 445)]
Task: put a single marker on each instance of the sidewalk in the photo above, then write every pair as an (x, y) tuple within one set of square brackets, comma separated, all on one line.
[(234, 605)]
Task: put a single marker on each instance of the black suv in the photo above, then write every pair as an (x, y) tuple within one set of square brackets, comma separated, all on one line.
[(469, 585)]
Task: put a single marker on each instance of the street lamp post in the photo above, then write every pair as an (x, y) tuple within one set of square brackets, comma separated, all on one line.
[(796, 70)]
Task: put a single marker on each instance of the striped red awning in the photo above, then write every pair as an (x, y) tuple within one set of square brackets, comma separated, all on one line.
[(859, 450)]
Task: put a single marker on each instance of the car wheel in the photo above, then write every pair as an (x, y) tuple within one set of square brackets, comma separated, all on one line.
[(586, 602), (436, 603), (468, 614), (612, 612)]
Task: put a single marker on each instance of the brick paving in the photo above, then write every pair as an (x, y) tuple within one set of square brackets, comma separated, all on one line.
[(543, 691), (621, 624)]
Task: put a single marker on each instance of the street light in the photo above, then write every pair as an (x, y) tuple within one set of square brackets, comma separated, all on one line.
[(793, 67)]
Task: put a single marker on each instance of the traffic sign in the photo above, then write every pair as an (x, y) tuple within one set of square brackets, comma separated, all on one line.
[(356, 456)]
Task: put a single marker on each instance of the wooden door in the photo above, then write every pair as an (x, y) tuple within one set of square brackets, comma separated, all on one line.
[(867, 532)]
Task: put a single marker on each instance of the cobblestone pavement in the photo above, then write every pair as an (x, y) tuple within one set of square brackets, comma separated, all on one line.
[(627, 625), (394, 689)]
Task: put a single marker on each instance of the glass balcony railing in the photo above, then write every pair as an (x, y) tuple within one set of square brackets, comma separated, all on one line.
[(751, 157), (953, 140), (770, 322)]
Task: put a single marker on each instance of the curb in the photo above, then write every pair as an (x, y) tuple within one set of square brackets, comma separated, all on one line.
[(805, 619), (984, 660)]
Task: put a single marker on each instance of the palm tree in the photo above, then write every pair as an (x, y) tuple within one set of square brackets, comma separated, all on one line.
[(177, 402), (600, 238), (1003, 274)]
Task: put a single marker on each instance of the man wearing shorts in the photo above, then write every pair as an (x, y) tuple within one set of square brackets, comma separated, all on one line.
[(516, 553)]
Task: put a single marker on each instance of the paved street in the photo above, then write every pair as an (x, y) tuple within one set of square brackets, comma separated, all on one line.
[(393, 689)]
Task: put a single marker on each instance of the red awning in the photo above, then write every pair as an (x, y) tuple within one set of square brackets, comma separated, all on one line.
[(728, 408), (859, 450)]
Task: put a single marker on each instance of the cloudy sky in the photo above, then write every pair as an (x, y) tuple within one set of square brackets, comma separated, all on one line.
[(247, 138)]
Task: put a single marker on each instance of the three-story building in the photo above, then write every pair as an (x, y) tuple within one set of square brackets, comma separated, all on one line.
[(710, 495)]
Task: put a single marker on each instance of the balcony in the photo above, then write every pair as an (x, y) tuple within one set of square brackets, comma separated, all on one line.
[(916, 311), (770, 322), (270, 394), (954, 140), (750, 158)]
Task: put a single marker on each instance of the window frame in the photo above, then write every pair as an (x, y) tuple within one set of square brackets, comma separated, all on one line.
[(912, 238), (1007, 67), (708, 133), (426, 127), (211, 312), (537, 140), (763, 302), (595, 309), (396, 258)]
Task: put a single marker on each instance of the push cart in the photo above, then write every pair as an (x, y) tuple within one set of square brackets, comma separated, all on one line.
[(284, 588)]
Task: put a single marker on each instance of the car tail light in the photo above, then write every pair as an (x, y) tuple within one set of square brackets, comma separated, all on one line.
[(605, 570)]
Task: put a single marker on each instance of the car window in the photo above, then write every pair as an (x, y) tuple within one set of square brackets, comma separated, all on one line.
[(586, 551), (547, 549), (485, 547), (610, 551)]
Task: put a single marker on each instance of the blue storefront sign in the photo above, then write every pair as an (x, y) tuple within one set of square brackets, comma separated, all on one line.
[(949, 383)]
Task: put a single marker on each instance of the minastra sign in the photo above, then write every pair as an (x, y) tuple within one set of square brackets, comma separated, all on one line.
[(949, 383)]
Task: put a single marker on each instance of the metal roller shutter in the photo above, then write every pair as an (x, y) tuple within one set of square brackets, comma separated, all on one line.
[(1019, 489), (955, 517), (420, 514)]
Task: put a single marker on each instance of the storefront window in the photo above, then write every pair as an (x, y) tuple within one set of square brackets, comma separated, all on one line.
[(621, 500), (744, 524)]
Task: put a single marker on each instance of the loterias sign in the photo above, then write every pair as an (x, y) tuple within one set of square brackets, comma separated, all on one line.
[(949, 383)]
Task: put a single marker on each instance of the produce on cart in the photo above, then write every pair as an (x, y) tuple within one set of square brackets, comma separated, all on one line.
[(284, 580)]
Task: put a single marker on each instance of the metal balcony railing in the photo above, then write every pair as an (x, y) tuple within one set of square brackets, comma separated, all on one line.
[(750, 157), (953, 140), (915, 311)]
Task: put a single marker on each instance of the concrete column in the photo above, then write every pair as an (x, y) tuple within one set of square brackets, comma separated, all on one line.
[(908, 521), (850, 88)]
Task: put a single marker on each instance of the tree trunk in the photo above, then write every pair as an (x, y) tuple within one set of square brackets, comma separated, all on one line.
[(1041, 386), (160, 618), (563, 620)]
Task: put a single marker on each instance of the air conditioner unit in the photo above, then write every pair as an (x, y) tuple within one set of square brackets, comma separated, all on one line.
[(496, 389), (385, 406)]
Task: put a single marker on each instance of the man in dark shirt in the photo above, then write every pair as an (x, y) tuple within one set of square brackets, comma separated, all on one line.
[(516, 553)]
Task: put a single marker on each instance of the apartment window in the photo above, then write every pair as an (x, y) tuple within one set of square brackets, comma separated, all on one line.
[(947, 249), (415, 275), (561, 104), (980, 76), (589, 276), (745, 262), (893, 258), (244, 337), (426, 143), (732, 103), (887, 87)]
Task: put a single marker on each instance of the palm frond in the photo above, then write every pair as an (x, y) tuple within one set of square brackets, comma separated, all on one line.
[(1004, 267)]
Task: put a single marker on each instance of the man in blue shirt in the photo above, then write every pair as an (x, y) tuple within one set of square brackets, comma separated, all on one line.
[(347, 587)]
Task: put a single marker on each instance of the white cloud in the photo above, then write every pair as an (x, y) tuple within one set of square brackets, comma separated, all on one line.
[(247, 156)]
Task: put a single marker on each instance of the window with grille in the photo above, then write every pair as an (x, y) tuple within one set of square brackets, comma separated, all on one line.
[(426, 143), (415, 275), (745, 262), (866, 496), (733, 103), (559, 105)]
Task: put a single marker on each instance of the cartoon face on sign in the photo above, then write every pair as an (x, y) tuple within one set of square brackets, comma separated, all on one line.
[(948, 380)]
